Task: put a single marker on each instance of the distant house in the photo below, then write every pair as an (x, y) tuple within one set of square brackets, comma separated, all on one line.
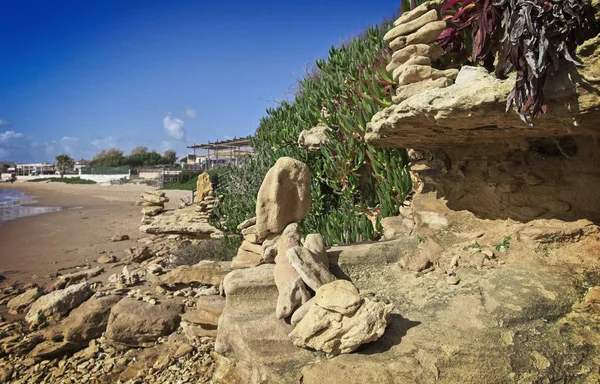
[(218, 154), (6, 165), (34, 169), (80, 164)]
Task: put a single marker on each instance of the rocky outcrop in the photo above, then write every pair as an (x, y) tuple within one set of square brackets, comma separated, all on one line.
[(472, 111), (21, 302), (205, 272), (283, 198)]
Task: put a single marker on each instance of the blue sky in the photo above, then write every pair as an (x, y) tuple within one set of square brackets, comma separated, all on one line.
[(77, 77)]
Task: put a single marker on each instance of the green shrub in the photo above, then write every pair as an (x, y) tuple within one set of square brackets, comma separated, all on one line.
[(66, 180), (189, 253), (349, 176)]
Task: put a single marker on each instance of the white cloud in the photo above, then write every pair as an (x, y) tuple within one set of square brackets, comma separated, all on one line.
[(5, 123), (9, 135), (66, 145), (173, 126), (105, 143), (190, 112)]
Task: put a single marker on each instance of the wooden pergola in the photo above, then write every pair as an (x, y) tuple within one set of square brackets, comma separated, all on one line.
[(234, 149)]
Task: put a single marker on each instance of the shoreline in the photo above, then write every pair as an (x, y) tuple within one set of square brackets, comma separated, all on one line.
[(34, 247)]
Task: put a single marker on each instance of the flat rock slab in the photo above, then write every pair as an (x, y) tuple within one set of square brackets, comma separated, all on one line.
[(205, 272)]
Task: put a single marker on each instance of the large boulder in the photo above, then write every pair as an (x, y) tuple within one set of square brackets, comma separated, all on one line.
[(250, 333), (283, 197), (89, 320), (57, 304), (139, 324)]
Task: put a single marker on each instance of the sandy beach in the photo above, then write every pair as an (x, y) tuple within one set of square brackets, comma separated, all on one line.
[(32, 248)]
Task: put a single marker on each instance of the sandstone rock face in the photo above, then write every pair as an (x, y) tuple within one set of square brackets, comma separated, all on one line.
[(340, 296), (433, 52), (137, 323), (58, 303), (334, 333), (205, 272), (249, 255), (19, 303), (477, 99), (309, 267), (312, 139), (203, 187), (250, 332), (411, 26), (283, 198), (419, 11), (427, 34)]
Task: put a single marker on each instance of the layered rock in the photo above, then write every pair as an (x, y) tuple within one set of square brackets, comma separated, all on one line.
[(57, 304), (203, 187), (186, 221), (413, 40), (153, 202)]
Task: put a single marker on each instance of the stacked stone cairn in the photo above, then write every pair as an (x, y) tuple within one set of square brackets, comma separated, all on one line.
[(205, 207), (413, 41), (153, 203), (328, 314)]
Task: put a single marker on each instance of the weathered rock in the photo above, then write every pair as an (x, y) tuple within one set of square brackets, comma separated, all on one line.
[(418, 11), (425, 35), (107, 259), (137, 323), (339, 296), (58, 303), (405, 91), (119, 238), (152, 210), (250, 333), (246, 223), (138, 254), (292, 290), (269, 249), (312, 139), (153, 199), (184, 221), (250, 235), (415, 261), (334, 333), (283, 198), (301, 312), (19, 303), (415, 60), (205, 272), (89, 320), (432, 51), (63, 280), (201, 317), (155, 192), (416, 73), (195, 331), (309, 267), (245, 259), (314, 242), (411, 26), (203, 187), (49, 349), (396, 226)]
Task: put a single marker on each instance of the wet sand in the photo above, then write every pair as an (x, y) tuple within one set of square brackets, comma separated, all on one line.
[(32, 248)]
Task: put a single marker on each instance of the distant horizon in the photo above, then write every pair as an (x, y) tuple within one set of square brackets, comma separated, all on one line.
[(98, 75)]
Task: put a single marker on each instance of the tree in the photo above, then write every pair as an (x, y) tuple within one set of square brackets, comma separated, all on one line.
[(170, 156), (138, 149), (63, 163), (109, 158)]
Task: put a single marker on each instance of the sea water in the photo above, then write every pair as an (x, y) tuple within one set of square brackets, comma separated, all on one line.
[(12, 205)]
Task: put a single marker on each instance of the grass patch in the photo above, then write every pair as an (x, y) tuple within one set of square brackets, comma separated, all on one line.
[(66, 180), (187, 186)]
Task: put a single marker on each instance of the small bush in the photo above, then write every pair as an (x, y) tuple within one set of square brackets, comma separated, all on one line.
[(189, 253)]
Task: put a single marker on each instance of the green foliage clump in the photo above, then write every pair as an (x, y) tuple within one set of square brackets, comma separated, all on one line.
[(64, 163), (349, 177), (66, 180), (190, 253), (139, 156)]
